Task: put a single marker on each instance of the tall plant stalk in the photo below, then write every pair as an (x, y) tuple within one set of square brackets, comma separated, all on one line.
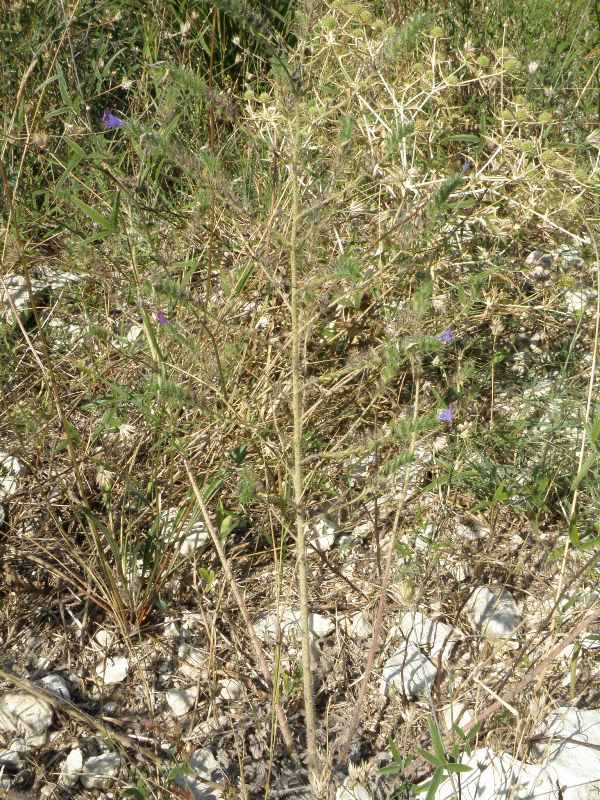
[(297, 411)]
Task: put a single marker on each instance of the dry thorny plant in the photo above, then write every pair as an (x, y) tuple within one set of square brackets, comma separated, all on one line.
[(289, 360)]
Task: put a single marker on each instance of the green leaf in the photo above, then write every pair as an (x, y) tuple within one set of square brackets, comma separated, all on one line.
[(438, 777), (346, 129), (451, 766), (72, 433), (105, 223), (436, 740), (136, 794), (470, 138), (432, 758), (62, 86), (227, 526), (574, 533)]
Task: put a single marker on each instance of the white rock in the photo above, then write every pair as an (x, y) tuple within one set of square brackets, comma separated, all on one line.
[(267, 628), (11, 464), (352, 791), (170, 628), (102, 640), (191, 621), (134, 332), (70, 770), (56, 684), (460, 570), (193, 662), (433, 636), (204, 764), (499, 776), (57, 279), (196, 784), (25, 715), (196, 539), (471, 529), (358, 468), (188, 535), (578, 299), (570, 256), (361, 628), (11, 757), (231, 689), (127, 432), (15, 288), (322, 533), (541, 260), (409, 671), (439, 302), (9, 485), (577, 766), (99, 772), (457, 714), (493, 612), (263, 322), (180, 701), (112, 670)]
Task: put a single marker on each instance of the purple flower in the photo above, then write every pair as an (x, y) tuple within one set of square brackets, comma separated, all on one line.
[(446, 414), (447, 336), (111, 121), (161, 318)]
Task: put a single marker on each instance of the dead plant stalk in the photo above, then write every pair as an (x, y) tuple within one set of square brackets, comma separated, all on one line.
[(297, 411)]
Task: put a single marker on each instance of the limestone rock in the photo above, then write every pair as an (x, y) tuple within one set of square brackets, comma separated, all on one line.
[(25, 715), (99, 772), (409, 671), (493, 612)]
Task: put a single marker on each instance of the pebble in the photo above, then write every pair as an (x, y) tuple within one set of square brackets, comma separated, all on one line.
[(171, 628), (25, 715), (494, 776), (102, 640), (493, 612), (268, 626), (11, 757), (99, 772), (578, 299), (410, 671), (193, 662), (471, 529), (180, 701), (231, 689), (205, 771), (361, 628), (190, 536), (56, 684), (322, 533), (112, 670), (434, 636), (70, 771), (352, 791), (11, 464)]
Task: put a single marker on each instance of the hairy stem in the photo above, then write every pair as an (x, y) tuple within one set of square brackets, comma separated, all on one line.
[(297, 411)]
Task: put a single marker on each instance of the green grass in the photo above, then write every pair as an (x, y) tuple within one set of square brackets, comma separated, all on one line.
[(187, 210)]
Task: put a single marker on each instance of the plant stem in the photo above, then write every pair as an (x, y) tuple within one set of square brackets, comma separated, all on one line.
[(297, 411)]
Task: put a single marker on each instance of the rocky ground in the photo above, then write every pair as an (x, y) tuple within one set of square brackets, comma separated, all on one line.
[(177, 708)]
